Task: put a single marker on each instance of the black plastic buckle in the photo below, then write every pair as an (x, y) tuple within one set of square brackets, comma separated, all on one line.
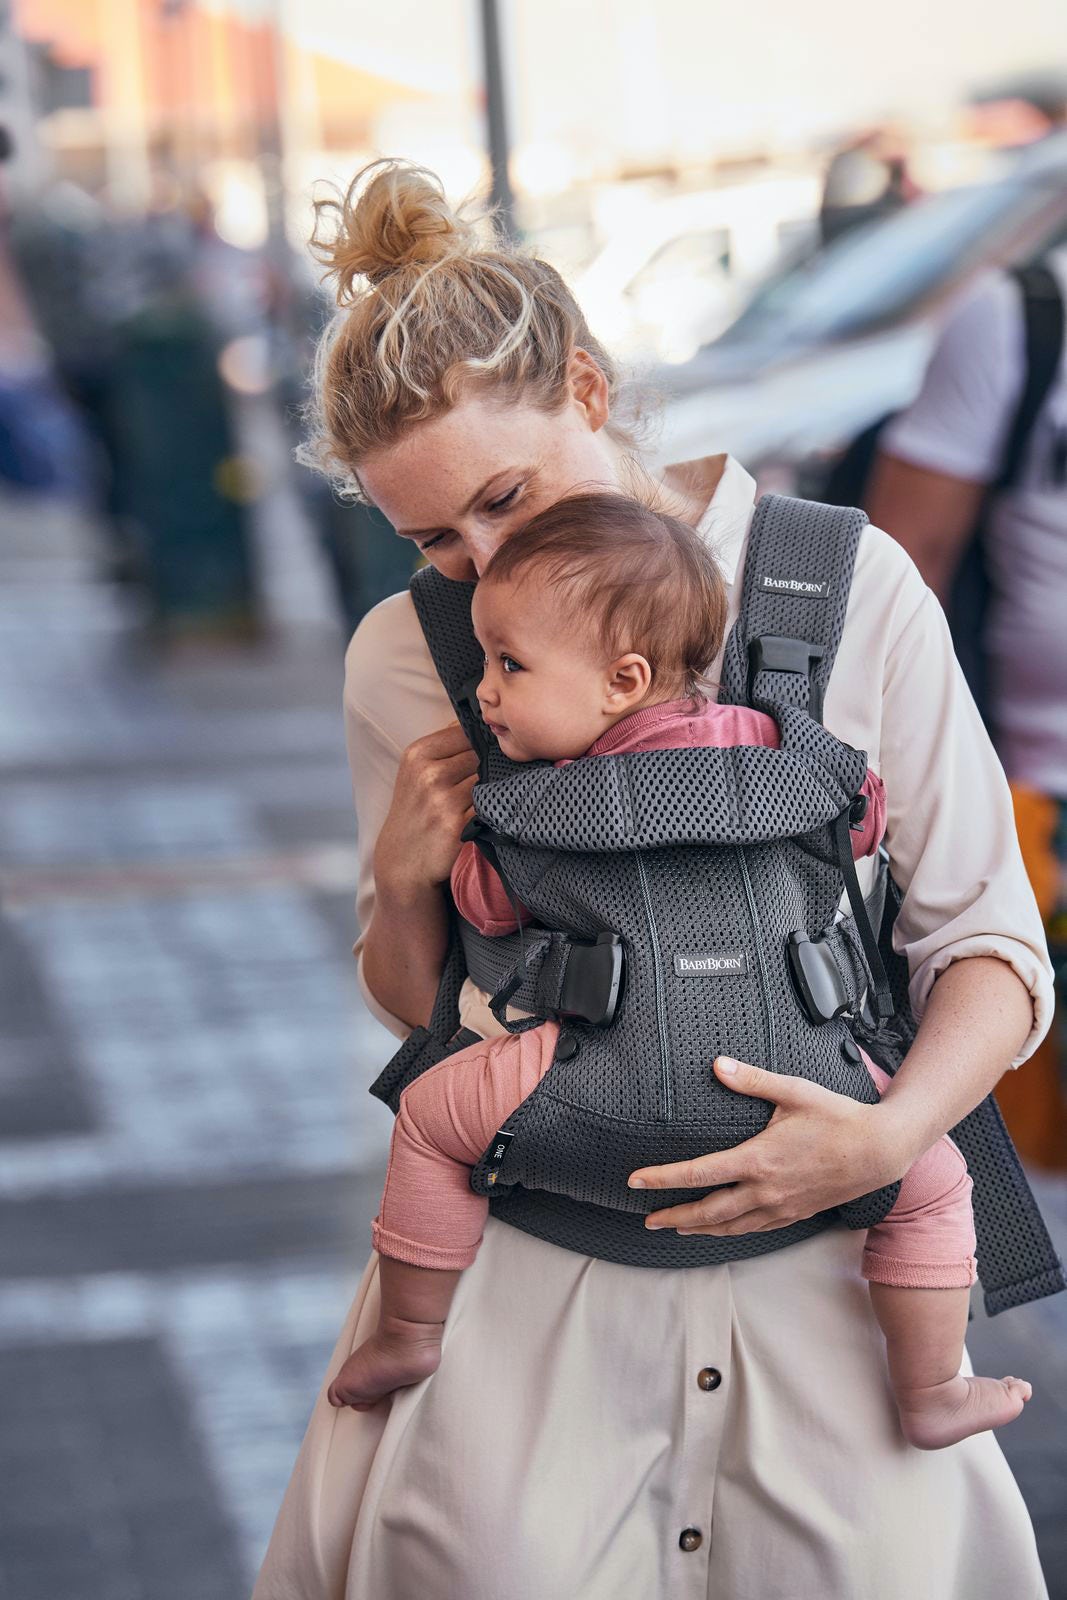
[(818, 982), (592, 980), (771, 652)]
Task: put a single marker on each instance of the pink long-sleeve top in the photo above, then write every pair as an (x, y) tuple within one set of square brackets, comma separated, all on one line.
[(675, 725)]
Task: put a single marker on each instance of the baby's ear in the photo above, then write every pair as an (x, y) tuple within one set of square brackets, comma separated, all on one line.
[(628, 681)]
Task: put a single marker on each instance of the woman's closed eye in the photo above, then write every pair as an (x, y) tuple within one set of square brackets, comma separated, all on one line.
[(505, 502)]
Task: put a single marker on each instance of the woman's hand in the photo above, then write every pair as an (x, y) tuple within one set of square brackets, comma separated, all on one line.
[(818, 1150), (419, 839)]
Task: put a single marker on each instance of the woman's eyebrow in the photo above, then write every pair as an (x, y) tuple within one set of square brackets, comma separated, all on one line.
[(420, 533)]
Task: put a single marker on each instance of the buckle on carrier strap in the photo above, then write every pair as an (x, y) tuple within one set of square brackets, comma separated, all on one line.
[(548, 974), (819, 980), (829, 971), (771, 652)]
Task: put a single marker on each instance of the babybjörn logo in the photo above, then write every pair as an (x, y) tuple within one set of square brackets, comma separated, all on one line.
[(816, 591), (711, 964)]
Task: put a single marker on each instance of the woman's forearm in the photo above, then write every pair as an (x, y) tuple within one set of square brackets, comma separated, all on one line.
[(404, 950), (977, 1015)]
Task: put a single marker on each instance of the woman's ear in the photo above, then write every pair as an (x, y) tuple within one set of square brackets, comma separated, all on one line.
[(589, 388), (627, 682)]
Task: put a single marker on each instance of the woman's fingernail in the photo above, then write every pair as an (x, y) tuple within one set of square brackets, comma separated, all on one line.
[(636, 1183), (726, 1066), (650, 1224)]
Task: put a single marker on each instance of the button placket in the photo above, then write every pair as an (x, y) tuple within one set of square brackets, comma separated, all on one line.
[(708, 1310)]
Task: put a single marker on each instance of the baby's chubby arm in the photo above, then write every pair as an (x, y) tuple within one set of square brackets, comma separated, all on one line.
[(868, 835), (480, 896)]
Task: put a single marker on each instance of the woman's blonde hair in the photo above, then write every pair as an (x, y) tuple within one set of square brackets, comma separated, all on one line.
[(429, 310)]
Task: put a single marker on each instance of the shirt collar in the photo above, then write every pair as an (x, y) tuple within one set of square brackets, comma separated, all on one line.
[(725, 523)]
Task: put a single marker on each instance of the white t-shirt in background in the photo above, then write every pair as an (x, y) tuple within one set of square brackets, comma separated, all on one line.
[(959, 425)]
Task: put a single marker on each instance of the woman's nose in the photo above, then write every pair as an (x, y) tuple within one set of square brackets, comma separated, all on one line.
[(481, 545)]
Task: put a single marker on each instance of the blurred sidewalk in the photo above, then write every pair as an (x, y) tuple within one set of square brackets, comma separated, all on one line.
[(189, 1160)]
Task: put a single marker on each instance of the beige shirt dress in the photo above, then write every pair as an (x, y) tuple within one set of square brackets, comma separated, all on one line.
[(601, 1432)]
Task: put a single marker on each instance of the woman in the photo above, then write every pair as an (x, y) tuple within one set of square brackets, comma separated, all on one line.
[(736, 1437)]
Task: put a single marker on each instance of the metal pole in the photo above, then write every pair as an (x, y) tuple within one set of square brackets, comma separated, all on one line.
[(496, 117)]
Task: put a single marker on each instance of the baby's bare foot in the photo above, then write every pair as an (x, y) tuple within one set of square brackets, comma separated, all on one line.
[(947, 1412), (399, 1354)]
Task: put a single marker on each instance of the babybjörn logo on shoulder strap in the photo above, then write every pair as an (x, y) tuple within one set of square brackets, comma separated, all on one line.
[(711, 964), (801, 586)]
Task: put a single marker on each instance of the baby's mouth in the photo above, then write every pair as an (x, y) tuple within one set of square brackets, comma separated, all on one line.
[(495, 728)]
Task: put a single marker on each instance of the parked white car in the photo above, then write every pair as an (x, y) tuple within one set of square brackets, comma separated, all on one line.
[(676, 271), (824, 350)]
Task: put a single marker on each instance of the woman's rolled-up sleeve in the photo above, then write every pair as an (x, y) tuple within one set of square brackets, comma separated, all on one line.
[(950, 825)]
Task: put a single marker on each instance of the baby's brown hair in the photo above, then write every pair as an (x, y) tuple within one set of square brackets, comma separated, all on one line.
[(641, 580)]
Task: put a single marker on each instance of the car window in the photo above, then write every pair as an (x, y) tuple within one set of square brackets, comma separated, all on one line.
[(879, 273)]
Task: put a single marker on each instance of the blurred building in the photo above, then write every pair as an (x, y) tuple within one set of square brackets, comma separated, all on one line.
[(134, 96)]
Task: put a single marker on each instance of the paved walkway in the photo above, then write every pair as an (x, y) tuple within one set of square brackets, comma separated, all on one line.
[(188, 1159)]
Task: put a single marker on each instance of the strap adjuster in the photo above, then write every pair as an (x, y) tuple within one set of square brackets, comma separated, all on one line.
[(818, 981), (592, 979), (772, 652)]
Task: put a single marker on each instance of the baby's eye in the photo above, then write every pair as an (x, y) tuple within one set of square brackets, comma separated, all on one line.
[(509, 664)]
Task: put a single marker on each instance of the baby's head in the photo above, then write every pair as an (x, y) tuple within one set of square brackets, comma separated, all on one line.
[(596, 608)]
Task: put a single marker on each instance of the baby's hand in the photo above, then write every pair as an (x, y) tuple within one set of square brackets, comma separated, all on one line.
[(386, 1361)]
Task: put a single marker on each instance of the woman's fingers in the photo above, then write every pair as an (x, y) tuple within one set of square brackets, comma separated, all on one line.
[(761, 1220), (780, 1087), (442, 742), (702, 1172), (722, 1212)]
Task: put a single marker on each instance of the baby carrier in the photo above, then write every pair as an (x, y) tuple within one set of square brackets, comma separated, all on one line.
[(687, 905)]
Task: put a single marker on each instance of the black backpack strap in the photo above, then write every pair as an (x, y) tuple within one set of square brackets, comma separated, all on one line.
[(1043, 335), (798, 572), (781, 650)]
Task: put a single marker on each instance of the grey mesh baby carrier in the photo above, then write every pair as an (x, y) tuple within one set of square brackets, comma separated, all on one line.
[(686, 905)]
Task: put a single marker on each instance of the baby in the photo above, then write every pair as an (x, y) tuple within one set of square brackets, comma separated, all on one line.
[(599, 621)]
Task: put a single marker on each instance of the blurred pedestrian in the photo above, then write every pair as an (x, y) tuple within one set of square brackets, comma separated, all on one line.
[(867, 179), (976, 468)]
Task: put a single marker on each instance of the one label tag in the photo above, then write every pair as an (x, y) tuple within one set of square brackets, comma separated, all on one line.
[(711, 963), (799, 586), (497, 1151)]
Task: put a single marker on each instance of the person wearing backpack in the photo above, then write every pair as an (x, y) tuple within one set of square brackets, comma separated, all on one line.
[(597, 1428), (572, 613), (972, 481)]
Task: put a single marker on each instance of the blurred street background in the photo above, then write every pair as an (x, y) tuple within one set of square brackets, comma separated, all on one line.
[(772, 215)]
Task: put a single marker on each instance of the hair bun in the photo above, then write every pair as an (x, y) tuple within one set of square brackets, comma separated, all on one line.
[(393, 215)]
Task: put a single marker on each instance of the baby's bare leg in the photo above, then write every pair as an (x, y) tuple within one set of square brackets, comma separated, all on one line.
[(430, 1222), (938, 1405), (407, 1345)]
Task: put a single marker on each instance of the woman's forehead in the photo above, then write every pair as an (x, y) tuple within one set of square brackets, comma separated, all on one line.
[(431, 475)]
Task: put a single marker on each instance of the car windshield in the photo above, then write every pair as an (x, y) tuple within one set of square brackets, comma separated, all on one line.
[(881, 272)]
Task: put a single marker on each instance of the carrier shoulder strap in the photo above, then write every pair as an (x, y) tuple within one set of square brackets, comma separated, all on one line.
[(794, 595), (798, 571), (782, 648), (443, 607), (1043, 337)]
